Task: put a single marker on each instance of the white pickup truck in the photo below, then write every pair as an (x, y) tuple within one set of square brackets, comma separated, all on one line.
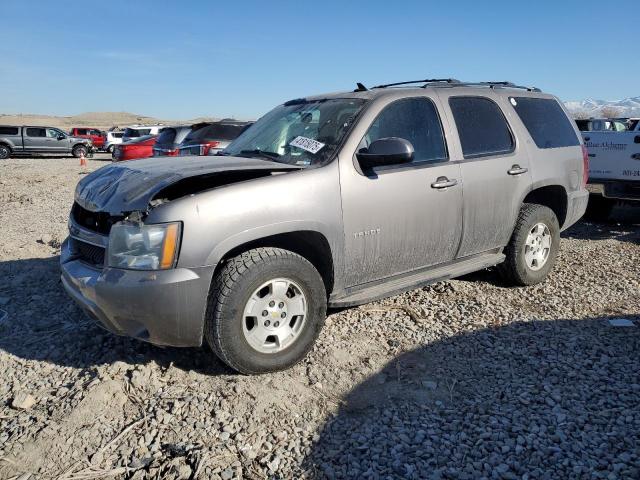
[(614, 168)]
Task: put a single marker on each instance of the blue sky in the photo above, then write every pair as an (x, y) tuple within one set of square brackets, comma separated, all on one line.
[(182, 59)]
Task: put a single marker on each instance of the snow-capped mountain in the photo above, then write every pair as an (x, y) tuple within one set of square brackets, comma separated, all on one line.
[(628, 107)]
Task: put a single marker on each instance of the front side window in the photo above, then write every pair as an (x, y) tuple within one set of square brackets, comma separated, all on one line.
[(482, 128), (546, 122), (81, 131), (299, 132), (53, 133), (415, 120)]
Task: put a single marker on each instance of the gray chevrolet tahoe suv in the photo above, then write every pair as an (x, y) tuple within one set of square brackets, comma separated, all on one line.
[(37, 140), (333, 200)]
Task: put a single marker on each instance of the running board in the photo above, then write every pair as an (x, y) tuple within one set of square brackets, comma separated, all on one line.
[(393, 286)]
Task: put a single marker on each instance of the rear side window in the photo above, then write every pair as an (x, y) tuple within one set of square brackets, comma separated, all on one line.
[(8, 130), (546, 122), (117, 134), (482, 127), (81, 131), (36, 132), (415, 120)]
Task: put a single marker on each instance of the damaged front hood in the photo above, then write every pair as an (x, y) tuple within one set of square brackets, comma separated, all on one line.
[(125, 187)]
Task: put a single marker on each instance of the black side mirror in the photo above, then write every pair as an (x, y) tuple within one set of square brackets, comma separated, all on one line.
[(61, 137), (386, 151), (637, 139)]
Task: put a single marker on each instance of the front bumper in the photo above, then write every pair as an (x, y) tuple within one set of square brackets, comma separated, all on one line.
[(164, 307), (576, 206)]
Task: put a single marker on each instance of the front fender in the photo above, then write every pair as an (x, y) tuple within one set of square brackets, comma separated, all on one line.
[(234, 241)]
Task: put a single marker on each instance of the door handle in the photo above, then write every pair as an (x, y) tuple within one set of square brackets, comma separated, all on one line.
[(443, 182), (517, 170)]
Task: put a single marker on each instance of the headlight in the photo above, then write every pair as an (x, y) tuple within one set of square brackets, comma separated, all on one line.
[(143, 247)]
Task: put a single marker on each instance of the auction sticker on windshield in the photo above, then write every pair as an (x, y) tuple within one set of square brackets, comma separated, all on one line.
[(308, 144)]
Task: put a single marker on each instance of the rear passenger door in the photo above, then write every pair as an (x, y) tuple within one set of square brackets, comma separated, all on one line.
[(494, 167), (35, 139)]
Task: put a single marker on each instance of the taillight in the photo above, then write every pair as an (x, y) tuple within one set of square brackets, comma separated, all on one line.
[(204, 148), (585, 165), (172, 153)]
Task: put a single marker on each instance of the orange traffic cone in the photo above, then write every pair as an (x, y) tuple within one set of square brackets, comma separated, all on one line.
[(83, 160)]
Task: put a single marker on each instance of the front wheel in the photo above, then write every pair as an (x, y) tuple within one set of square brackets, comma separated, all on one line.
[(110, 149), (534, 244), (265, 310)]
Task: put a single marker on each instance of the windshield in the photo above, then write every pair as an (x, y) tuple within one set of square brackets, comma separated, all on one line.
[(300, 132)]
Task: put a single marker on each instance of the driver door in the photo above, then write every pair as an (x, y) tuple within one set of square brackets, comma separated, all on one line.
[(56, 144), (398, 218)]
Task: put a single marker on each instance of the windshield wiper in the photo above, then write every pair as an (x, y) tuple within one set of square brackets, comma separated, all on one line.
[(261, 153)]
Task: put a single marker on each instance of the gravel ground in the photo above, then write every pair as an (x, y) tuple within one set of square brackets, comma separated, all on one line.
[(462, 379)]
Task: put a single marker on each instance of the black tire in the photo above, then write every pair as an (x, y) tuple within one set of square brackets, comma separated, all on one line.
[(515, 269), (599, 208), (5, 152), (80, 151), (110, 149), (230, 291)]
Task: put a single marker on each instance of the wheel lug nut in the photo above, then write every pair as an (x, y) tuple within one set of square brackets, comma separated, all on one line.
[(276, 324), (265, 313), (281, 304), (267, 323), (272, 303), (283, 314)]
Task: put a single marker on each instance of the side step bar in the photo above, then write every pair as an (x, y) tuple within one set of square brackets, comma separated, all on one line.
[(365, 294)]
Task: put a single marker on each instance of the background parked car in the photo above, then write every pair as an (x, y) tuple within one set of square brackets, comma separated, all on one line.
[(602, 124), (141, 147), (113, 139), (210, 138), (96, 136), (169, 140), (30, 140), (137, 131)]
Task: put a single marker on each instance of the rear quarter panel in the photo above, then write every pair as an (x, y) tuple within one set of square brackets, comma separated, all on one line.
[(551, 166)]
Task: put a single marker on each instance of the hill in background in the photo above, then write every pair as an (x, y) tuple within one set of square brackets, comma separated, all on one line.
[(628, 107), (102, 120)]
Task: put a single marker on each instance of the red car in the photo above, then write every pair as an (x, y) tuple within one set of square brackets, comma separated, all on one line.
[(98, 137), (141, 147)]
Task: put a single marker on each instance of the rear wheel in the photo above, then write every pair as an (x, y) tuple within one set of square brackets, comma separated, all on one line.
[(599, 208), (5, 152), (79, 151), (532, 250), (265, 310)]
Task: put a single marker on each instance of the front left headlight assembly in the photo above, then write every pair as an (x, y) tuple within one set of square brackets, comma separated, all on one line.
[(137, 246)]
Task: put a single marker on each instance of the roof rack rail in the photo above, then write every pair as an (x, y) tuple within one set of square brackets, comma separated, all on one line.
[(429, 80), (490, 85), (452, 82)]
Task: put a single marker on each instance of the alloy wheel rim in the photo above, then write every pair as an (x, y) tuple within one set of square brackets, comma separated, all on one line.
[(537, 246), (274, 316)]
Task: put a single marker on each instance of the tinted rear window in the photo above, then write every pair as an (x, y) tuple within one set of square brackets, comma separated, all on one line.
[(215, 132), (167, 136), (482, 127), (547, 123), (8, 130)]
